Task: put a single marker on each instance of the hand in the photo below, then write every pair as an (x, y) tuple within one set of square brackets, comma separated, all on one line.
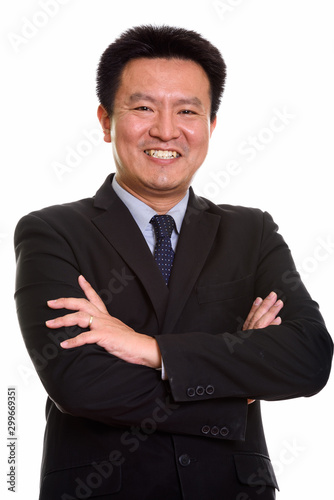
[(263, 313), (106, 331)]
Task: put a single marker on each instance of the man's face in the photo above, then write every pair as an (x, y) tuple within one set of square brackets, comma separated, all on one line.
[(160, 127)]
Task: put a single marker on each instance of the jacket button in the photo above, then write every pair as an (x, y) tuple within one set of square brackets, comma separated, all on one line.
[(191, 392), (199, 390), (210, 390), (215, 430), (224, 431), (184, 460), (206, 429)]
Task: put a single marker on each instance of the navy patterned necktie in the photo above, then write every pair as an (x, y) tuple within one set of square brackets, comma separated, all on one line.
[(163, 252)]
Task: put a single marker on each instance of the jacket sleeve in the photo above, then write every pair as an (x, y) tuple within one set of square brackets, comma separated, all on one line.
[(89, 382), (273, 363)]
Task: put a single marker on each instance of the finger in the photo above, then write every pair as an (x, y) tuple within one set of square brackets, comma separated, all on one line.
[(71, 303), (257, 302), (91, 295), (81, 319), (81, 339), (264, 307), (270, 317), (250, 401), (277, 321)]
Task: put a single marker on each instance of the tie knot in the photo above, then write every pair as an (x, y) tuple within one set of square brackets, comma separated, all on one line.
[(163, 225)]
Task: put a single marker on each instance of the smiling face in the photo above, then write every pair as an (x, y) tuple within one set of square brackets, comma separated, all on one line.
[(160, 127)]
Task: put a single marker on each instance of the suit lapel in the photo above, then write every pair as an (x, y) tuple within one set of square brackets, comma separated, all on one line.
[(119, 228), (199, 229)]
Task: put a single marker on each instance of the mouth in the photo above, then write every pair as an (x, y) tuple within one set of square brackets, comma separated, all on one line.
[(160, 153)]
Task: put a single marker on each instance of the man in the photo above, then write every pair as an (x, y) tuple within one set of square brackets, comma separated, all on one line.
[(156, 349)]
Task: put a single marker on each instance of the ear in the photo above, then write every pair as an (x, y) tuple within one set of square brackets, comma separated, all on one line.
[(213, 125), (104, 119)]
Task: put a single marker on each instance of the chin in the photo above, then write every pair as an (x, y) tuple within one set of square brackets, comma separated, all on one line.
[(163, 183)]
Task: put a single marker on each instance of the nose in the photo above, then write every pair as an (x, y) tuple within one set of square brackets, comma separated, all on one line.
[(165, 126)]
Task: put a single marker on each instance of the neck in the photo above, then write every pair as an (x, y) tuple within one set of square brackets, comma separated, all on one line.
[(160, 202)]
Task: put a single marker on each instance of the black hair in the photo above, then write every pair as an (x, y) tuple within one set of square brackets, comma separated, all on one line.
[(165, 42)]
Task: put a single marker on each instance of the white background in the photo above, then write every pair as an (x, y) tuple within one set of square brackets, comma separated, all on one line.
[(279, 55)]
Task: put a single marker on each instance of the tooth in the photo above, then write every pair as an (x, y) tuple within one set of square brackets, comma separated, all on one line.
[(157, 153)]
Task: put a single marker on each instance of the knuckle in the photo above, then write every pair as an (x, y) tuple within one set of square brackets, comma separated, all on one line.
[(76, 340), (258, 316)]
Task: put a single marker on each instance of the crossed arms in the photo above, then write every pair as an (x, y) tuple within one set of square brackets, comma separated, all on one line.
[(122, 341), (107, 373)]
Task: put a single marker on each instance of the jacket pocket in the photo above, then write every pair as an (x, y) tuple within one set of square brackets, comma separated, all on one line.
[(255, 470), (86, 481), (225, 291)]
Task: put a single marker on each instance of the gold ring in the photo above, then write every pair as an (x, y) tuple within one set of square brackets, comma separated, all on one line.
[(90, 321)]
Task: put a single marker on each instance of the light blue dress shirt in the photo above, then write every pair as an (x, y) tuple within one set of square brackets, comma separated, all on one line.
[(142, 214)]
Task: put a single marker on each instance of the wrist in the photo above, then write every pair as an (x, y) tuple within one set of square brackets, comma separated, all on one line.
[(152, 354)]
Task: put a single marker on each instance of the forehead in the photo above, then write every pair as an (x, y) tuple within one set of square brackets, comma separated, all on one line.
[(165, 77)]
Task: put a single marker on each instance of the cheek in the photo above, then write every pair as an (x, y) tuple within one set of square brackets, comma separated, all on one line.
[(130, 134), (199, 144), (198, 135)]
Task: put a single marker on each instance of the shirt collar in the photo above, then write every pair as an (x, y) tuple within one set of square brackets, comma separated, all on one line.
[(142, 213)]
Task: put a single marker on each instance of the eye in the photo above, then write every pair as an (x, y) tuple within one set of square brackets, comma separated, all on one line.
[(142, 108), (187, 112)]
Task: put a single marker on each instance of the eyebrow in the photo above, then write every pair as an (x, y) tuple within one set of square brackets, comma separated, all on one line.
[(137, 96)]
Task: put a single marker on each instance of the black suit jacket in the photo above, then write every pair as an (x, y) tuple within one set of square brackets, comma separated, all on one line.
[(117, 430)]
